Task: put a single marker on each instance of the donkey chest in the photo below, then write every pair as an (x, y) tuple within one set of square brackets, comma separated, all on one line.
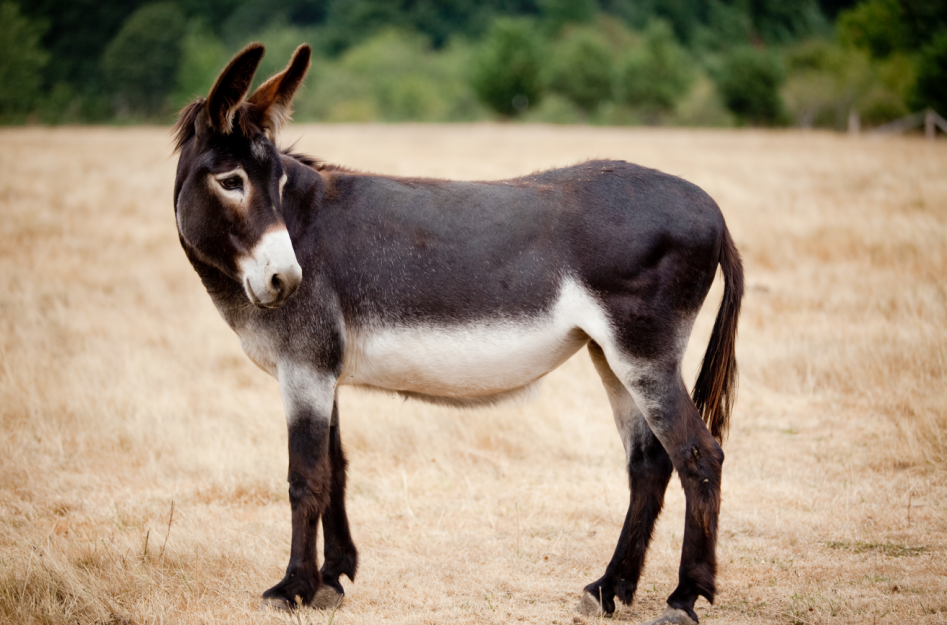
[(259, 348)]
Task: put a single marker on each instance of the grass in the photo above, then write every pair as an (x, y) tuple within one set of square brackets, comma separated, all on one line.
[(889, 549), (123, 397)]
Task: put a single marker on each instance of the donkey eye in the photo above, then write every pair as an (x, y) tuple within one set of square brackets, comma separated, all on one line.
[(232, 183)]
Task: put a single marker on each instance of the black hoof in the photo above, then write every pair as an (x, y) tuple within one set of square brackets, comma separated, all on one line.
[(327, 598), (598, 599), (589, 605), (296, 590), (674, 616)]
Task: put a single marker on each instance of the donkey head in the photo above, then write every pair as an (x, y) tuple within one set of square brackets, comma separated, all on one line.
[(229, 186)]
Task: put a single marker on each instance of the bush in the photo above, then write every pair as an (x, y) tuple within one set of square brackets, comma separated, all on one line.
[(828, 81), (141, 63), (825, 83), (658, 74), (557, 14), (21, 62), (506, 68), (393, 76), (203, 56), (876, 26), (749, 82), (582, 69), (726, 26), (931, 87)]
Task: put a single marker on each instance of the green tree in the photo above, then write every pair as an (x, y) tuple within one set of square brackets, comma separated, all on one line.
[(876, 26), (141, 63), (827, 81), (79, 31), (21, 62), (203, 55), (658, 73), (582, 68), (931, 86), (506, 68), (558, 13), (349, 22), (749, 82), (923, 20), (726, 26), (393, 76), (785, 21)]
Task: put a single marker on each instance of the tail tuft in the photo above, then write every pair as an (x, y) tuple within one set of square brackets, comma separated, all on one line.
[(716, 386)]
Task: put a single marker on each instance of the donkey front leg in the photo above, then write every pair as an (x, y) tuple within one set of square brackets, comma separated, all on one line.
[(341, 557), (308, 397)]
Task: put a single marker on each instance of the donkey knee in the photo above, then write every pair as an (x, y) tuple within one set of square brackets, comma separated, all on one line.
[(307, 493)]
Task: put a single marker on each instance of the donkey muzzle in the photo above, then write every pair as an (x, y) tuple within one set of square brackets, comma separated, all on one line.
[(271, 273)]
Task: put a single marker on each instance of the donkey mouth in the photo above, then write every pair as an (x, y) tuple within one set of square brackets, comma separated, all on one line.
[(276, 301)]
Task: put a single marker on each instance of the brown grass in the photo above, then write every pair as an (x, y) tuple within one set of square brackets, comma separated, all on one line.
[(123, 394)]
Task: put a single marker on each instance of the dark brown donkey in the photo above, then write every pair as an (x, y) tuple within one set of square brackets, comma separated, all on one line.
[(462, 293)]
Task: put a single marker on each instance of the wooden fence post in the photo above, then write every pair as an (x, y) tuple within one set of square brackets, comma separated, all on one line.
[(854, 122)]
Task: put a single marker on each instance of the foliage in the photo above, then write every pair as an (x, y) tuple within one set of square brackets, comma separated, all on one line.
[(598, 61), (506, 68), (78, 33), (876, 26), (828, 81), (931, 86), (787, 20), (581, 68), (701, 106), (924, 20), (749, 82), (141, 63), (351, 21), (658, 73), (556, 14), (203, 56), (21, 62), (726, 26), (394, 76)]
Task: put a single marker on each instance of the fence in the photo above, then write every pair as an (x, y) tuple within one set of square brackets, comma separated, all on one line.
[(929, 118)]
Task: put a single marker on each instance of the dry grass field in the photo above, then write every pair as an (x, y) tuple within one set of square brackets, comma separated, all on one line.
[(142, 456)]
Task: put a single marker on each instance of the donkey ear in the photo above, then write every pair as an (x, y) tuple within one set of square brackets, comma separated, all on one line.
[(272, 101), (232, 84)]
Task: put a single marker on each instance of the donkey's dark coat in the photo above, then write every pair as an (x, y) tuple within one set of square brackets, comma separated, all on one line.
[(462, 293)]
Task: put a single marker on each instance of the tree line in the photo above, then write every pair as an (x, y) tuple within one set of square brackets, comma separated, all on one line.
[(689, 62)]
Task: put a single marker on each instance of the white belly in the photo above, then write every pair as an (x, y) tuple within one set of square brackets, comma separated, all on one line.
[(476, 360)]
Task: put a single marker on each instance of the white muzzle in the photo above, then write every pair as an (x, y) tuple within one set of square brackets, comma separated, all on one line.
[(271, 273)]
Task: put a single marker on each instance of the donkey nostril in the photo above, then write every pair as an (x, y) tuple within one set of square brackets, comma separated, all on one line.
[(276, 282)]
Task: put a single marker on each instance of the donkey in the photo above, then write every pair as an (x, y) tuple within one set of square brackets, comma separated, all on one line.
[(460, 293)]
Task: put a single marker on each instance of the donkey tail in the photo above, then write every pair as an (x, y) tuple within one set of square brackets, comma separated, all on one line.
[(716, 386)]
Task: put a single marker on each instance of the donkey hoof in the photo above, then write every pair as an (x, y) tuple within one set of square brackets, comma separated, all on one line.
[(275, 603), (327, 598), (589, 605), (672, 616)]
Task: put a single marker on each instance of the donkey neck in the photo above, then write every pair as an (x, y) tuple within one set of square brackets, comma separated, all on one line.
[(304, 192)]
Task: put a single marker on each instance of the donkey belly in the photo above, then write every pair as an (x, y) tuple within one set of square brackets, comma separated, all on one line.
[(457, 362), (475, 360)]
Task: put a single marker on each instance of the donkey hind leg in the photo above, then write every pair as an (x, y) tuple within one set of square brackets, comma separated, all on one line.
[(341, 557), (659, 391), (308, 400), (649, 471)]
